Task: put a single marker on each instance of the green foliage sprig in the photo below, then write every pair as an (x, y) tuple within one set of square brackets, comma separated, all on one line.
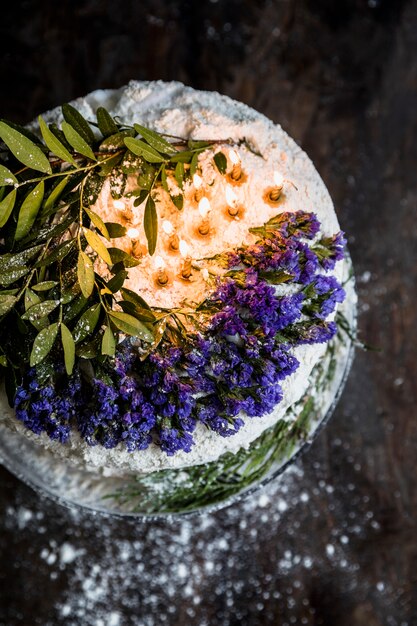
[(49, 289)]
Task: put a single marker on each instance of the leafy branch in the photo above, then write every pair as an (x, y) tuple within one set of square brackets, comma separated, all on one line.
[(50, 236)]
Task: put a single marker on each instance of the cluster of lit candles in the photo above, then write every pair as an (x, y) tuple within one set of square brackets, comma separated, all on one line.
[(175, 244)]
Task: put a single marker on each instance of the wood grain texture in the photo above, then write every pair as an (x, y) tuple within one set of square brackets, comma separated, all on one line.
[(335, 543)]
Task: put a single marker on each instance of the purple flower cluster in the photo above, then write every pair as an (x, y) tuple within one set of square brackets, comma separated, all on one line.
[(230, 369)]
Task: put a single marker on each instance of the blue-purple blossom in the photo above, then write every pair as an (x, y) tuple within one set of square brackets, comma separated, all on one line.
[(227, 371)]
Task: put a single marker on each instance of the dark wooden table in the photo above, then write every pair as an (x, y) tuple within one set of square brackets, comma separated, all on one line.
[(335, 541)]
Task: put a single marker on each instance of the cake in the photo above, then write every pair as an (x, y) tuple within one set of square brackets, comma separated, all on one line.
[(177, 298)]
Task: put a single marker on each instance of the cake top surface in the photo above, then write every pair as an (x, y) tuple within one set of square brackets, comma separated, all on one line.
[(232, 247)]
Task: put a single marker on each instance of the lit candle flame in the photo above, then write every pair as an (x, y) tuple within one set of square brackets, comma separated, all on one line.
[(184, 248), (204, 210), (162, 276), (197, 181), (169, 230), (133, 233), (278, 179), (236, 172), (234, 157), (231, 199), (275, 192), (199, 189), (118, 204), (204, 207), (185, 253), (159, 263), (167, 227)]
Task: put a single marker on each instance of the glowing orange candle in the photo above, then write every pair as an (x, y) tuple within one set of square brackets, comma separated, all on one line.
[(236, 172), (136, 246), (204, 210), (275, 192), (198, 185), (232, 201), (169, 230), (161, 275), (186, 263)]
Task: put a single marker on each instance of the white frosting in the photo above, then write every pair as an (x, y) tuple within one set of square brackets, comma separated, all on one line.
[(175, 109)]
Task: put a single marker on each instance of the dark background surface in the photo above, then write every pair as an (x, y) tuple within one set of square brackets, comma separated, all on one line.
[(334, 541)]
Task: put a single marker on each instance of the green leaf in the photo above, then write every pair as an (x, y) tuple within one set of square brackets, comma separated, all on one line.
[(164, 179), (131, 326), (184, 156), (43, 343), (221, 162), (120, 256), (150, 224), (134, 297), (74, 118), (85, 272), (97, 245), (115, 230), (146, 175), (108, 343), (53, 143), (7, 277), (140, 148), (8, 261), (3, 360), (6, 177), (116, 141), (87, 323), (54, 195), (155, 140), (144, 315), (6, 207), (98, 222), (77, 142), (195, 144), (89, 349), (59, 253), (178, 201), (117, 281), (74, 308), (107, 164), (69, 348), (45, 285), (179, 174), (144, 193), (7, 302), (31, 298), (40, 310), (24, 149), (106, 123), (29, 210), (194, 164)]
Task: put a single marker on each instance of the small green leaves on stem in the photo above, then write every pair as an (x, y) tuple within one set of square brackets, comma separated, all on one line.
[(54, 144)]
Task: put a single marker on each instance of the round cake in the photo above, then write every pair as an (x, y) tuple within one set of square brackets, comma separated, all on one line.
[(177, 301)]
